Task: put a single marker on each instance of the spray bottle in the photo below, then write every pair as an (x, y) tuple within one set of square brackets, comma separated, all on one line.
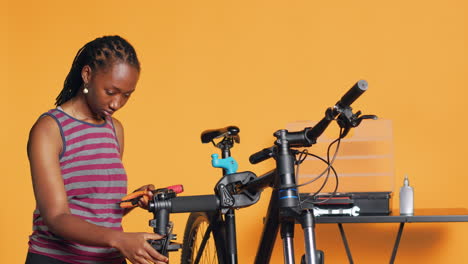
[(406, 198)]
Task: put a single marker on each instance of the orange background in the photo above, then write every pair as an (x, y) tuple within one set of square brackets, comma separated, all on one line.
[(258, 65)]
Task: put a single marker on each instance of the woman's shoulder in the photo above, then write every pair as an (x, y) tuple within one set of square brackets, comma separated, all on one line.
[(44, 134), (46, 120), (45, 125)]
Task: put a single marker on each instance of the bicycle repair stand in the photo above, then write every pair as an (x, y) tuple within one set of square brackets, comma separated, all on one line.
[(161, 224), (229, 166)]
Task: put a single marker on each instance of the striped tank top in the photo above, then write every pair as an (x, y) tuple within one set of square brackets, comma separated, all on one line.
[(95, 180)]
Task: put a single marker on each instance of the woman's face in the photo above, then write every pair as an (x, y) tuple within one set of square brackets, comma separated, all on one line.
[(109, 89)]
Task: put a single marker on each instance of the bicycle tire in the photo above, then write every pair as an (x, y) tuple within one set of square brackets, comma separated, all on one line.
[(197, 225)]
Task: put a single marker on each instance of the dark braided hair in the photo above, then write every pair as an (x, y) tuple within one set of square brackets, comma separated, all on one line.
[(98, 54)]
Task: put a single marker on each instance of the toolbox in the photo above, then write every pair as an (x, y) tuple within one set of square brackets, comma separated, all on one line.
[(373, 203), (369, 203)]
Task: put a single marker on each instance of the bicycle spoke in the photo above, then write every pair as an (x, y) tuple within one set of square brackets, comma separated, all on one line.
[(203, 245)]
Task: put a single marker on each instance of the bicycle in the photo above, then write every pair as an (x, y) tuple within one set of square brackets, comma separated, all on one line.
[(210, 233)]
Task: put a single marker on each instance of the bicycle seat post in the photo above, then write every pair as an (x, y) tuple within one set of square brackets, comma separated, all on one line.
[(225, 145)]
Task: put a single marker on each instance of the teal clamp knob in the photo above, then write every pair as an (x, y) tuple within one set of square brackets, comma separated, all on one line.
[(229, 163)]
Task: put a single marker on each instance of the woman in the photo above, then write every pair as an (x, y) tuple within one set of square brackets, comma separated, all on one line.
[(75, 156)]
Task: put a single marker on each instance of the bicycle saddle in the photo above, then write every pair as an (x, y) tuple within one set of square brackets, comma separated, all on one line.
[(229, 131)]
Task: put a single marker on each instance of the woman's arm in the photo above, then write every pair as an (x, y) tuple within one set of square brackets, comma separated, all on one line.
[(44, 147)]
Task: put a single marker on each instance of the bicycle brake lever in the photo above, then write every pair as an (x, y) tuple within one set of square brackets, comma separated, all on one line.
[(348, 120), (359, 119), (373, 117)]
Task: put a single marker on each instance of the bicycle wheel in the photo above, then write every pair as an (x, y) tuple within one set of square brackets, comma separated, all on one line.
[(204, 237)]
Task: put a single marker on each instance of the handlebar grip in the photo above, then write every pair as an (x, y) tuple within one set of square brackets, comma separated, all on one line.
[(262, 155), (179, 188), (352, 94), (200, 203)]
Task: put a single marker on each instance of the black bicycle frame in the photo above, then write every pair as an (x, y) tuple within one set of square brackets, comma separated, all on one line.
[(284, 209)]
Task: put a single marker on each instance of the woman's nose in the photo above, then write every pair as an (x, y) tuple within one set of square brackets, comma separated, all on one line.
[(116, 103)]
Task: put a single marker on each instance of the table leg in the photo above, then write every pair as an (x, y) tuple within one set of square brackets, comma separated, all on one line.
[(397, 242), (345, 242)]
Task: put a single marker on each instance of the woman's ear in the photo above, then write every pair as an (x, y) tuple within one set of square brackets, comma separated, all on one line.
[(86, 73)]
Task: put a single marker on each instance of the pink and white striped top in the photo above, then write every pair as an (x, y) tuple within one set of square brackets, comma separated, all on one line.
[(95, 180)]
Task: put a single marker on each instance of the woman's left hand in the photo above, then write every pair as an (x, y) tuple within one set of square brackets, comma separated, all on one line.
[(143, 202)]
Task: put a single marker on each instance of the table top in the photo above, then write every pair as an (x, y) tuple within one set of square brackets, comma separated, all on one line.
[(425, 215)]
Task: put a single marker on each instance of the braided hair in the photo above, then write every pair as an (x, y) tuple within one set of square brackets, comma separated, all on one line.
[(98, 54)]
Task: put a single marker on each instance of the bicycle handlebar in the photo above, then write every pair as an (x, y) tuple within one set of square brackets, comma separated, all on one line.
[(262, 155), (359, 88), (309, 135), (185, 204), (345, 102), (200, 203)]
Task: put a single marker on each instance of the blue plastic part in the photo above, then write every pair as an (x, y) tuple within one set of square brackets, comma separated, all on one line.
[(229, 164), (285, 196)]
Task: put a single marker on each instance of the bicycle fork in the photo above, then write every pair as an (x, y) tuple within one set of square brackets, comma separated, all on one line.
[(308, 226), (287, 235)]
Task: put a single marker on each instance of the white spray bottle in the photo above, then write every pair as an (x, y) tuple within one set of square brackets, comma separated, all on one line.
[(406, 198)]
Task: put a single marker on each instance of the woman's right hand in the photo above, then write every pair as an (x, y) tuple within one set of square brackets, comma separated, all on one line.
[(135, 247)]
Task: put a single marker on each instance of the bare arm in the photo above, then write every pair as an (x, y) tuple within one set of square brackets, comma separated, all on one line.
[(44, 147)]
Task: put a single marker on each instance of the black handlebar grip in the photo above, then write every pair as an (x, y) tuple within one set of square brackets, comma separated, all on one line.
[(200, 203), (352, 94), (262, 155)]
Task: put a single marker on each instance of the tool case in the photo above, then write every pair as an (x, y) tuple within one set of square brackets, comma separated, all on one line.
[(369, 203)]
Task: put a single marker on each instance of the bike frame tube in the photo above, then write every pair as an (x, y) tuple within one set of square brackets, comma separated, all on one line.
[(230, 220), (270, 231)]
